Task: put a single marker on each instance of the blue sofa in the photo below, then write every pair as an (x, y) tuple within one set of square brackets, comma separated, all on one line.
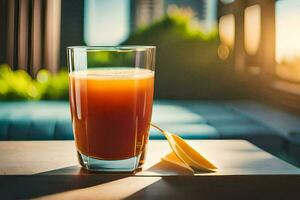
[(50, 120)]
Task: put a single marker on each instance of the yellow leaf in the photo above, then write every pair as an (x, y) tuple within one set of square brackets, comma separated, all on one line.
[(186, 153), (172, 158)]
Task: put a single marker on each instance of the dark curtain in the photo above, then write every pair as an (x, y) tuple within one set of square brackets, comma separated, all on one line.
[(35, 33), (3, 33)]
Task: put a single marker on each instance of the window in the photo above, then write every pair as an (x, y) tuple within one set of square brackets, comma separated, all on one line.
[(204, 10), (252, 29), (106, 22), (227, 34), (227, 29), (288, 40)]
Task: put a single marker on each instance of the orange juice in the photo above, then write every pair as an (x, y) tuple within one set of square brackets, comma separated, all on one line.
[(111, 111)]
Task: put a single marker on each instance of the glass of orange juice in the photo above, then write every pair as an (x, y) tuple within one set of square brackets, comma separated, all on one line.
[(111, 94)]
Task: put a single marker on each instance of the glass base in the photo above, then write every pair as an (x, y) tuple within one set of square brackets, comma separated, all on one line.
[(93, 164)]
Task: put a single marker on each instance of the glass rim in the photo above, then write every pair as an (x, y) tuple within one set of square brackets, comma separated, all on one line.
[(120, 48)]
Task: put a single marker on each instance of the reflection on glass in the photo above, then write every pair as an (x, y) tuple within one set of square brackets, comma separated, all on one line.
[(227, 1), (227, 29), (288, 40), (252, 28)]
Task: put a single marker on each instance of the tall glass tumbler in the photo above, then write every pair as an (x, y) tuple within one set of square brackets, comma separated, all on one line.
[(111, 94)]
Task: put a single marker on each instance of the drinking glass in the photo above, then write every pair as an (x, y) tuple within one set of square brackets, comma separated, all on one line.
[(111, 94)]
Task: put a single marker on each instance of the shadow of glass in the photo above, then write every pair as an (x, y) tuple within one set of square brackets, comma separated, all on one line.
[(70, 170), (114, 186), (116, 189), (220, 187), (78, 170), (164, 168), (27, 187)]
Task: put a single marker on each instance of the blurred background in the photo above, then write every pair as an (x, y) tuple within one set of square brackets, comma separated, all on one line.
[(226, 69), (206, 49)]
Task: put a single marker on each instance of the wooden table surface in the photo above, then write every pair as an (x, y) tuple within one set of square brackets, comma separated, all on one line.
[(37, 168)]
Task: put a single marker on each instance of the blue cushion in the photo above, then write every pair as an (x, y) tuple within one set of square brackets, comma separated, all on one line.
[(63, 130), (34, 120), (19, 128), (224, 117), (243, 130), (42, 129), (207, 109), (174, 114), (187, 131), (46, 120), (4, 124)]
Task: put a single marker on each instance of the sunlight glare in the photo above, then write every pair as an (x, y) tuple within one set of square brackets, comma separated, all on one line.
[(227, 29), (252, 28)]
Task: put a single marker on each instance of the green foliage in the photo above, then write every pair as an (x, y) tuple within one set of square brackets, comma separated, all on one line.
[(109, 58), (188, 66), (18, 85), (175, 26)]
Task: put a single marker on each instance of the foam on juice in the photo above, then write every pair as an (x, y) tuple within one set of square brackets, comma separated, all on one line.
[(113, 73)]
